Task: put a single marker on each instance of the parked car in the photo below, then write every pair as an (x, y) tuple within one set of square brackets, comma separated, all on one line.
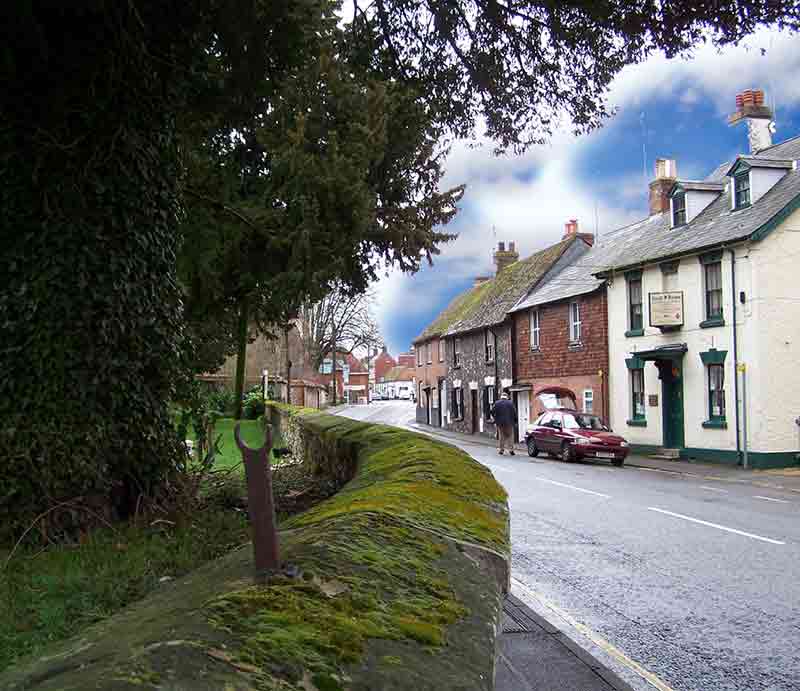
[(377, 396), (571, 435)]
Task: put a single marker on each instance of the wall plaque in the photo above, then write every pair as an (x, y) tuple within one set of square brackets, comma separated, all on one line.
[(666, 309)]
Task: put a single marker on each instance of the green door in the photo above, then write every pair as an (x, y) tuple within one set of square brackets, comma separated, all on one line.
[(672, 397)]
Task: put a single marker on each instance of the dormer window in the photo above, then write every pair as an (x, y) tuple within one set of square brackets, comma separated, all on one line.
[(741, 189), (679, 209), (754, 176)]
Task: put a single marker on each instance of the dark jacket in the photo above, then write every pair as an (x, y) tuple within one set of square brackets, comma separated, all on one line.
[(504, 412)]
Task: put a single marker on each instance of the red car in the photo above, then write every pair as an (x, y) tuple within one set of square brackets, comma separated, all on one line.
[(571, 435)]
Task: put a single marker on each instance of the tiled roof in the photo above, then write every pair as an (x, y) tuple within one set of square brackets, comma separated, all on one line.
[(576, 278), (652, 238), (488, 303)]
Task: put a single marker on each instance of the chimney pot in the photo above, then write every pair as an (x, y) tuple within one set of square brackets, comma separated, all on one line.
[(511, 247), (501, 246), (570, 228), (750, 107)]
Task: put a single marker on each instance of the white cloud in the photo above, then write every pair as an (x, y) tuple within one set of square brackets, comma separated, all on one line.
[(528, 198)]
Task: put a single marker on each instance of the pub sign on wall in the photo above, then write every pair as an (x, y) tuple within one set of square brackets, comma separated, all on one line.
[(666, 309)]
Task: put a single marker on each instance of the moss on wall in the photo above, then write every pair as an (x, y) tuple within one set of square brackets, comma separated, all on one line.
[(386, 597)]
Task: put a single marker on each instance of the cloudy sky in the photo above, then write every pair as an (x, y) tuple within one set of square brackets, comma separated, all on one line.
[(665, 108)]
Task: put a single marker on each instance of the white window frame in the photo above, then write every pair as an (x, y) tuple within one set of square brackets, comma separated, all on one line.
[(429, 347), (575, 321), (489, 342), (589, 399), (456, 352), (419, 356), (536, 329), (442, 346)]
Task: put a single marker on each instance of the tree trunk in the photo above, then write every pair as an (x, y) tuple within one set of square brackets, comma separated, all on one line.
[(333, 370), (241, 357), (288, 364)]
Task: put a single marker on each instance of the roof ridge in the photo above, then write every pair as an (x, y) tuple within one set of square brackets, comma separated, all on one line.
[(772, 146)]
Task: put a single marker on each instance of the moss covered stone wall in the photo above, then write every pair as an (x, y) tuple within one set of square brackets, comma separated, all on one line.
[(398, 585)]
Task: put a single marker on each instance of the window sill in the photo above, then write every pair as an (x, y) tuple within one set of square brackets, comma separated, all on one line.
[(636, 423), (742, 207), (575, 345), (715, 321), (715, 424), (634, 332)]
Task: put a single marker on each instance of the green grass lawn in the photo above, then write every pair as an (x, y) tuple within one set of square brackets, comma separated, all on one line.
[(229, 455), (49, 596)]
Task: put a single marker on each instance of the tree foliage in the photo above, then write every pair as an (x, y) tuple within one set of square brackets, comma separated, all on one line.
[(312, 147), (522, 67), (341, 322)]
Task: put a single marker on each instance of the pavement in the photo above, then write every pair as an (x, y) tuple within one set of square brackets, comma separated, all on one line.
[(673, 575), (534, 655)]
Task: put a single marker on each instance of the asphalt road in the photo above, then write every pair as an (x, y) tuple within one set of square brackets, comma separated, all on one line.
[(676, 582)]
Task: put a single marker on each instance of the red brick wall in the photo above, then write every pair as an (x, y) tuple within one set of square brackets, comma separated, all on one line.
[(557, 363), (429, 374)]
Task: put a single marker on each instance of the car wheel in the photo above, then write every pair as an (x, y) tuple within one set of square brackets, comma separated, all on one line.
[(567, 452), (619, 462), (533, 452)]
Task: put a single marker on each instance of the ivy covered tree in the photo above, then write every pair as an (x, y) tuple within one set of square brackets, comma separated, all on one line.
[(115, 115)]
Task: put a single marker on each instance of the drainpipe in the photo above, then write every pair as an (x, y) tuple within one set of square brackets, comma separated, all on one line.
[(735, 354)]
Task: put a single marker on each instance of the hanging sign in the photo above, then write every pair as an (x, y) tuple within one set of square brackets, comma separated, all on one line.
[(666, 309)]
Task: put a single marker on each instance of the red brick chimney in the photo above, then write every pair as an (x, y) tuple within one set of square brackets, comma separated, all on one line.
[(571, 230), (666, 175), (505, 257)]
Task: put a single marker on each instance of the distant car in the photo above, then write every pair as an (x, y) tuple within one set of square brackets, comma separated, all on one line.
[(571, 435), (376, 396)]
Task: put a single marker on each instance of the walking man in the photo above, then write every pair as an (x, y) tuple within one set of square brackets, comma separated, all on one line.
[(504, 414)]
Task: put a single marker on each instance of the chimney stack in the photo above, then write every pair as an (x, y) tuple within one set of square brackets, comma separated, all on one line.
[(571, 230), (750, 108), (503, 257), (666, 175)]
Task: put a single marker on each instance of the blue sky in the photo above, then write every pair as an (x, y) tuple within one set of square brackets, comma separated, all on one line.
[(675, 108)]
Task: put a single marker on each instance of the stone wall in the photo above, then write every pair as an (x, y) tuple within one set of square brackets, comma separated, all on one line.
[(396, 583), (475, 374)]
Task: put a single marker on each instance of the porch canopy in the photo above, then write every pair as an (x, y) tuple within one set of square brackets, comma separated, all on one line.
[(673, 351)]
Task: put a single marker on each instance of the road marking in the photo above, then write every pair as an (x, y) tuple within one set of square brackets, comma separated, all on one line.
[(713, 489), (716, 525), (609, 648), (577, 489), (779, 501)]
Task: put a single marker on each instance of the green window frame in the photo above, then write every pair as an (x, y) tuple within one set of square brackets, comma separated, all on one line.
[(637, 394), (713, 286), (741, 190), (679, 209), (635, 312), (716, 393), (633, 279), (714, 361)]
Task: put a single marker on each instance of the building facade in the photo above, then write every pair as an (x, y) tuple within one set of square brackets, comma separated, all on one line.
[(480, 340), (704, 313), (561, 332)]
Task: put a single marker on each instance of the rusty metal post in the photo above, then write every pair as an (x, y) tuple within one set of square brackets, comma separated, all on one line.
[(260, 503)]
